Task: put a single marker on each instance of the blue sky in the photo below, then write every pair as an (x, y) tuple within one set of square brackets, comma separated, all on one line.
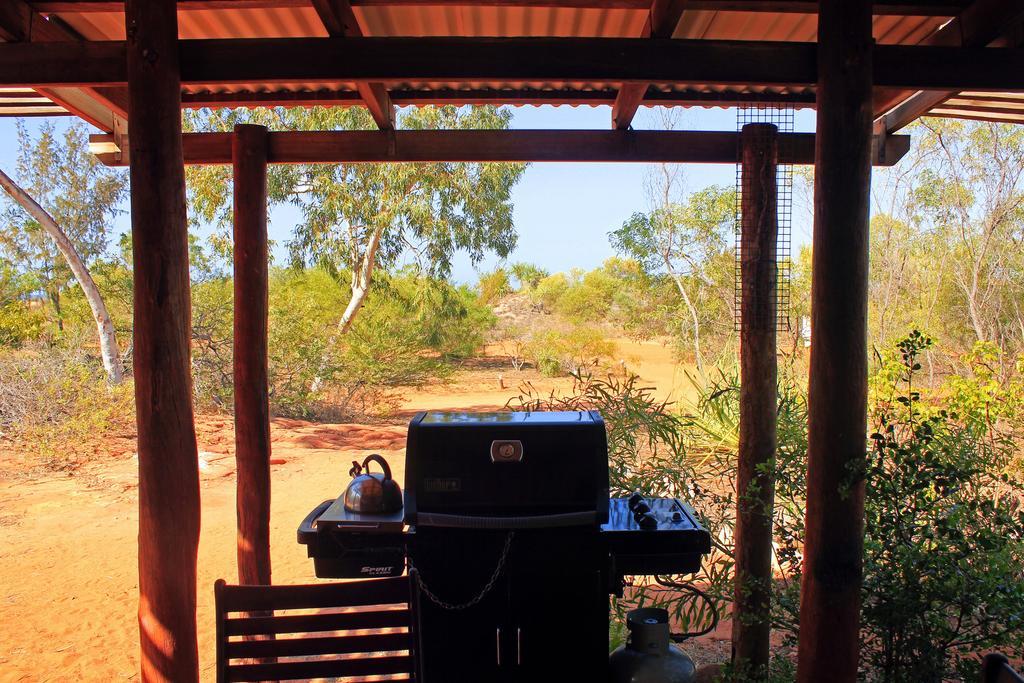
[(563, 211)]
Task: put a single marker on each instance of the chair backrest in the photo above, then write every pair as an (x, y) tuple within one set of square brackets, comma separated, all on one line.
[(995, 668), (286, 633)]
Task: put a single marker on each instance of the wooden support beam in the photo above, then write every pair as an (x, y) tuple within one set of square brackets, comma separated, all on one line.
[(457, 60), (340, 21), (168, 460), (837, 395), (755, 478), (252, 411), (978, 25), (661, 22), (946, 8), (710, 147)]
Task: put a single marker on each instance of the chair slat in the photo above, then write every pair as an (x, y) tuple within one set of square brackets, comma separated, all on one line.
[(334, 645), (311, 623), (353, 594), (324, 668)]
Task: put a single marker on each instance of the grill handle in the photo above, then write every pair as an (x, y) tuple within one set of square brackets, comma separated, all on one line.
[(564, 519), (307, 530)]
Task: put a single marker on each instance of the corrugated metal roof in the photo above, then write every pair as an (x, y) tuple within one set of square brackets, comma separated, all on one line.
[(1005, 107), (379, 19), (27, 102)]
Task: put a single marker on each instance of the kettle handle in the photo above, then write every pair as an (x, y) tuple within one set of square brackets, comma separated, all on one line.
[(380, 461)]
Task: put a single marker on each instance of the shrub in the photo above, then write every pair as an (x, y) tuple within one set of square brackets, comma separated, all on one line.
[(943, 510), (407, 330), (528, 275), (554, 352), (20, 323), (944, 536), (550, 289), (56, 401), (495, 285)]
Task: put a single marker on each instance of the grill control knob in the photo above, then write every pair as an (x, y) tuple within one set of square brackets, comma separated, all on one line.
[(647, 521), (677, 516)]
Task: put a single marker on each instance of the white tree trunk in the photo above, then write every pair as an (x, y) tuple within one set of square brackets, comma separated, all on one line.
[(697, 357), (362, 275), (104, 326)]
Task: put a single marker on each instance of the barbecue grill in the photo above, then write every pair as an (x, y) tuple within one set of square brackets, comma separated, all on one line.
[(510, 534)]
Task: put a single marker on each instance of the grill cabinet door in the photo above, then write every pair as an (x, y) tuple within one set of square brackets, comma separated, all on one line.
[(462, 644), (560, 627)]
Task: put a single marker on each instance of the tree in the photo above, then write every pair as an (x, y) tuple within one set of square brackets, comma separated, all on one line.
[(57, 243), (946, 246), (686, 241), (360, 217)]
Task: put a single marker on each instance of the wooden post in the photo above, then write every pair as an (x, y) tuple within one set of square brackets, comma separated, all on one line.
[(252, 412), (755, 480), (168, 463), (837, 401)]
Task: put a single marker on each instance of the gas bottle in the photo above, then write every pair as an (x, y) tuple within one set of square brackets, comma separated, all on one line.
[(649, 656)]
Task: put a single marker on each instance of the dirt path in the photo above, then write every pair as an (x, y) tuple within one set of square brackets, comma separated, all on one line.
[(68, 585)]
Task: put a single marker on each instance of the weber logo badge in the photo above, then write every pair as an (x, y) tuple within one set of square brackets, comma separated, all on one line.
[(442, 485), (506, 451)]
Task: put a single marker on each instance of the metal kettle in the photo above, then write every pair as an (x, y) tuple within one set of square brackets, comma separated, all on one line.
[(372, 493)]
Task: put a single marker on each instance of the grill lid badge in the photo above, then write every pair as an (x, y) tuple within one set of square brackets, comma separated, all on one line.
[(506, 451)]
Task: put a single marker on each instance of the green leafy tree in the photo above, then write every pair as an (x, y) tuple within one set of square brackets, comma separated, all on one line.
[(58, 222), (687, 240), (357, 218), (946, 244)]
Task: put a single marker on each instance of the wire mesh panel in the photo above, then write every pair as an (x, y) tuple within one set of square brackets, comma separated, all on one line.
[(783, 119)]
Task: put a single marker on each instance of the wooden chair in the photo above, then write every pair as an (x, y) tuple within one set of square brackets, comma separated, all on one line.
[(995, 668), (352, 629)]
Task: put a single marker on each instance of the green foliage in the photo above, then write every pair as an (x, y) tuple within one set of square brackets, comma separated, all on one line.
[(550, 289), (945, 250), (357, 217), (556, 352), (409, 330), (20, 320), (688, 244), (527, 275), (944, 534), (55, 403), (619, 294), (944, 519), (19, 323), (494, 285)]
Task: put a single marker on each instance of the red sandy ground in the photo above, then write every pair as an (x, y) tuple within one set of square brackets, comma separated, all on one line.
[(68, 580)]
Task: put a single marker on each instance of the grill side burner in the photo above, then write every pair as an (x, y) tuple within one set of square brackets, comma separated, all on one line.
[(514, 542)]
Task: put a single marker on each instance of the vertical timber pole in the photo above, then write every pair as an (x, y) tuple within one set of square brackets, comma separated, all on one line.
[(755, 479), (168, 464), (252, 412), (837, 393)]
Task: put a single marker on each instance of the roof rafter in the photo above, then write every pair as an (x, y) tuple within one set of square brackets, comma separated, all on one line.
[(977, 26), (662, 20), (340, 21)]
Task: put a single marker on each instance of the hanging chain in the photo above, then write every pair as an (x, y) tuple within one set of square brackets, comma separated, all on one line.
[(479, 596)]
